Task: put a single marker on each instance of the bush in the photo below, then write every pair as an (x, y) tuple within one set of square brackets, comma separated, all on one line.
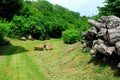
[(71, 36), (4, 31), (4, 28)]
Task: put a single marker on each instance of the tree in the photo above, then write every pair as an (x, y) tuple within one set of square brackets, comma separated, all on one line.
[(111, 7), (9, 7)]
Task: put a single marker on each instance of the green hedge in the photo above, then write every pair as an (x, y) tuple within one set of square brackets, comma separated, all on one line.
[(71, 36)]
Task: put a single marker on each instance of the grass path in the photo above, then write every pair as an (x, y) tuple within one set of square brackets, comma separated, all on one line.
[(18, 66), (20, 62)]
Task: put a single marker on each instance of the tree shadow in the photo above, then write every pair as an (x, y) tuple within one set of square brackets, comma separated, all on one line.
[(11, 49), (111, 61)]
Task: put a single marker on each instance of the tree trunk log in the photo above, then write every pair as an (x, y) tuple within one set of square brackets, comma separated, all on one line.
[(93, 30), (95, 24), (117, 45), (109, 18), (118, 65), (102, 48), (110, 21), (104, 38), (102, 33), (86, 44), (113, 35)]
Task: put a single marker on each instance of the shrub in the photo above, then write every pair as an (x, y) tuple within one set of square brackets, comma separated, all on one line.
[(71, 36), (4, 29)]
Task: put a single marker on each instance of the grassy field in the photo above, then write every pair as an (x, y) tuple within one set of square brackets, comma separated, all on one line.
[(20, 61)]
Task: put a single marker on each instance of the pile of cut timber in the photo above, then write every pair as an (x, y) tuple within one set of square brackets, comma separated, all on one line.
[(104, 38)]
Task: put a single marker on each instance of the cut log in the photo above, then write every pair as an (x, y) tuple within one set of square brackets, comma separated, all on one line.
[(110, 50), (114, 18), (102, 33), (93, 52), (109, 18), (48, 46), (30, 37), (85, 44), (96, 24), (39, 48), (104, 38), (93, 30), (110, 21), (112, 24), (118, 65), (90, 35), (117, 45), (102, 48), (113, 35)]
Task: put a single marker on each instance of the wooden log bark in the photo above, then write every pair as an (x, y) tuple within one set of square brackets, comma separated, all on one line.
[(102, 48), (86, 44), (117, 45), (92, 31), (95, 24), (112, 24), (118, 65), (89, 36), (106, 44), (39, 48), (114, 18), (102, 33), (113, 35), (104, 19), (110, 21), (30, 37), (48, 46), (93, 52)]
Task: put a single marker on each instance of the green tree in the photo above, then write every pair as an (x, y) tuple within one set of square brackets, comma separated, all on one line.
[(42, 19), (9, 7), (111, 7)]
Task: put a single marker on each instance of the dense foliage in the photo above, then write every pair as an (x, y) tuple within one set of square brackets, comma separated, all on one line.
[(111, 7), (71, 36), (9, 7), (40, 19)]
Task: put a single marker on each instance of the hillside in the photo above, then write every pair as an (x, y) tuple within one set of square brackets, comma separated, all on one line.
[(20, 62)]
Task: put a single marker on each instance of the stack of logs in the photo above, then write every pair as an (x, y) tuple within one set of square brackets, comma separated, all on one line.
[(104, 38)]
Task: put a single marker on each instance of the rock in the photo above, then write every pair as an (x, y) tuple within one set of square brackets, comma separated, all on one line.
[(23, 38), (30, 37)]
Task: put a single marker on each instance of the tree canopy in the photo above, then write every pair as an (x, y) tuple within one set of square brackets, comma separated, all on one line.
[(9, 7), (111, 7), (40, 19)]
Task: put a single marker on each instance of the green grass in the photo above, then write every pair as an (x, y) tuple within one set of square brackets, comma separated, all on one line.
[(20, 61)]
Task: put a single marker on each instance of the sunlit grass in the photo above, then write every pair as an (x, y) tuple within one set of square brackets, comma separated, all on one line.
[(21, 62)]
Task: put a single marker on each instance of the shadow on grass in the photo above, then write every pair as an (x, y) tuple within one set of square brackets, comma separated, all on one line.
[(110, 61), (11, 49)]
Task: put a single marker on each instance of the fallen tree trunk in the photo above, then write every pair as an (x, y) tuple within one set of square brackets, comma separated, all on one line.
[(104, 19), (101, 47), (110, 21), (113, 35), (86, 44), (102, 33), (96, 24)]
